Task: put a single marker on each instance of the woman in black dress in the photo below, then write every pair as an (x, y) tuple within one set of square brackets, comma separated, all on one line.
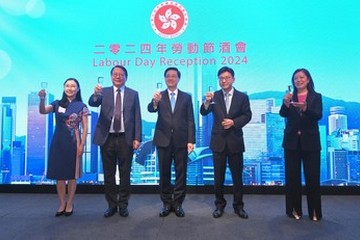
[(67, 145)]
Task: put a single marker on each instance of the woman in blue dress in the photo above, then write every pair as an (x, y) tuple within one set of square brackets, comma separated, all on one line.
[(67, 145)]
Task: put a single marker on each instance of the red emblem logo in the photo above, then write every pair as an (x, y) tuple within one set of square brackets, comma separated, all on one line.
[(169, 19)]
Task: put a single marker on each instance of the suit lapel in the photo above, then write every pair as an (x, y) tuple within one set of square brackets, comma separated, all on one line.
[(178, 100), (165, 98), (126, 99), (232, 101), (222, 101), (109, 100)]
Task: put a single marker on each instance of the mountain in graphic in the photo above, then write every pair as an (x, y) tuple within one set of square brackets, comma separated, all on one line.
[(352, 109)]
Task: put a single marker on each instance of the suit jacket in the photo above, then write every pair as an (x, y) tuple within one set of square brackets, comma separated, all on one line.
[(131, 115), (306, 123), (179, 125), (239, 112)]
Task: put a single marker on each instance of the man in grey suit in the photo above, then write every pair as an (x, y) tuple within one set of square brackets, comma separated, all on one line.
[(231, 111), (174, 138), (118, 133)]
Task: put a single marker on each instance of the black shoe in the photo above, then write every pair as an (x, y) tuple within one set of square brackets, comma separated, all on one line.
[(58, 214), (179, 212), (67, 214), (218, 212), (164, 212), (110, 212), (123, 212), (241, 213)]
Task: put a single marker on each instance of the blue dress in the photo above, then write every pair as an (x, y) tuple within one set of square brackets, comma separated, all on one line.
[(63, 164)]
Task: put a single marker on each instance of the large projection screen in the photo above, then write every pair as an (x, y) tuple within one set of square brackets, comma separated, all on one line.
[(44, 42)]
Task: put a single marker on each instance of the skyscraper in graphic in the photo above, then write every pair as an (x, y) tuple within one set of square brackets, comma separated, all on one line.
[(337, 119), (18, 158), (252, 172), (91, 161), (354, 163), (274, 133), (203, 82), (339, 164), (40, 128), (7, 136), (255, 132), (255, 140), (343, 150), (324, 170)]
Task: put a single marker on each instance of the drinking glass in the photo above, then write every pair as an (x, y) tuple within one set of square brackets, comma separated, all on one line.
[(100, 81), (211, 90), (44, 85), (158, 86), (290, 90)]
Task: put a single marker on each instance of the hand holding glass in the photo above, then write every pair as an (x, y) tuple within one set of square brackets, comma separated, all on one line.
[(42, 92), (99, 85), (289, 91)]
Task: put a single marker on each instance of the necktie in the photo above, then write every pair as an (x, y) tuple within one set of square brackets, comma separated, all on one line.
[(172, 101), (117, 112), (227, 102)]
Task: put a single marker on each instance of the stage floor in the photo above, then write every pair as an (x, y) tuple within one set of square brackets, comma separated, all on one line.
[(31, 216)]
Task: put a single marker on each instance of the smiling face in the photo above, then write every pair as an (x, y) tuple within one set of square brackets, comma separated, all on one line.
[(118, 77), (301, 81), (226, 81), (71, 89), (172, 79)]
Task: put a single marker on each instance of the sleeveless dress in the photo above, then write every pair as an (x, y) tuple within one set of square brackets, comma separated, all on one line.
[(63, 164)]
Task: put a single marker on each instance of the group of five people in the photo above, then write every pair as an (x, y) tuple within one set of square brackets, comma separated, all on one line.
[(119, 132)]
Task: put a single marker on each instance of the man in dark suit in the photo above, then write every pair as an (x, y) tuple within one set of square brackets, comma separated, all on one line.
[(231, 111), (174, 138), (118, 133)]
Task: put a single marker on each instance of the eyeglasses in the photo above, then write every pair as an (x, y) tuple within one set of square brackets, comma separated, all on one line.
[(227, 78), (118, 75), (171, 76)]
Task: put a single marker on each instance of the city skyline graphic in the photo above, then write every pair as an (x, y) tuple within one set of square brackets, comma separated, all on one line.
[(42, 43), (24, 158)]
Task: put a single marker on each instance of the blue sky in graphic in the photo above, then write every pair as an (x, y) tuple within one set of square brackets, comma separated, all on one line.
[(53, 40)]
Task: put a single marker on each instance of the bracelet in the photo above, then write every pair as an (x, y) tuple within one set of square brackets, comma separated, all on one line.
[(42, 98)]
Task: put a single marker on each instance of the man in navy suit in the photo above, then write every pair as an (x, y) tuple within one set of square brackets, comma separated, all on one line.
[(231, 111), (174, 138), (118, 133)]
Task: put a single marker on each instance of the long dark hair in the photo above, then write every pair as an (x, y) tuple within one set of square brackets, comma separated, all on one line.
[(64, 102), (310, 86)]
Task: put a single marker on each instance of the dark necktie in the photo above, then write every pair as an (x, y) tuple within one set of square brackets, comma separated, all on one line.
[(172, 101), (117, 112)]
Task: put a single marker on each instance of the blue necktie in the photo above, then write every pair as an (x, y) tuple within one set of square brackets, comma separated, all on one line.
[(172, 101)]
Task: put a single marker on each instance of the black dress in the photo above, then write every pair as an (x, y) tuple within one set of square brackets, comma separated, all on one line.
[(63, 164)]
